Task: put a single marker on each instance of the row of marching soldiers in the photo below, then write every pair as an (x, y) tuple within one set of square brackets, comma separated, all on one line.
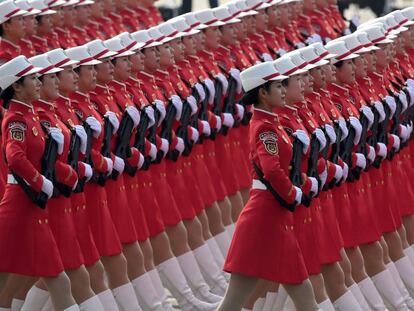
[(126, 164)]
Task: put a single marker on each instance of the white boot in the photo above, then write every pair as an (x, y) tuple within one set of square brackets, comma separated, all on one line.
[(347, 302), (35, 300), (72, 308), (388, 289), (406, 271), (400, 284), (326, 305), (17, 304), (409, 252), (223, 241), (210, 271), (91, 304), (108, 300), (174, 279), (195, 279), (230, 230), (146, 293), (356, 291), (258, 305), (48, 305), (215, 250), (125, 298), (159, 288), (270, 301), (372, 295), (280, 299)]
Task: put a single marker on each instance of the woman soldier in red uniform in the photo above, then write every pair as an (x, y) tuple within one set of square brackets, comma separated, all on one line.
[(266, 225), (27, 239)]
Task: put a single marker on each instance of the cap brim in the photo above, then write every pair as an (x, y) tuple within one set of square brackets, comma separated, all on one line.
[(71, 2), (320, 63), (233, 21), (402, 28), (263, 6), (47, 12), (248, 13), (108, 54), (19, 13), (91, 62), (126, 53), (350, 56), (69, 63), (330, 56), (32, 12), (57, 3), (408, 23), (279, 78), (53, 70), (362, 50), (32, 71), (191, 32), (152, 44), (216, 24), (88, 2), (298, 72), (200, 27)]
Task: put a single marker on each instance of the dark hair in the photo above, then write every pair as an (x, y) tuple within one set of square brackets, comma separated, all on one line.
[(7, 94), (252, 96), (39, 18), (339, 64), (77, 69)]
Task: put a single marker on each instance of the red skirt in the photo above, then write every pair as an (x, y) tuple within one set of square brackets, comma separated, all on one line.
[(326, 225), (402, 169), (83, 230), (264, 244), (135, 207), (239, 158), (26, 239), (62, 224), (169, 209), (213, 169), (103, 229), (202, 175), (224, 159), (183, 197), (149, 203), (391, 175)]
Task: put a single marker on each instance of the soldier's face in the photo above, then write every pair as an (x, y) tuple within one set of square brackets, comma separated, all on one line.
[(15, 27), (329, 71), (137, 61), (272, 15), (29, 90), (57, 18), (151, 58), (241, 31), (295, 90), (68, 15), (83, 13), (261, 21), (407, 39), (97, 9), (381, 56), (104, 71), (122, 68), (189, 45), (166, 55), (307, 82), (318, 78), (199, 40), (50, 87), (45, 25), (284, 14), (30, 25), (212, 37), (370, 60), (68, 80), (87, 78), (108, 5), (177, 49), (228, 34), (361, 67), (346, 73), (274, 97)]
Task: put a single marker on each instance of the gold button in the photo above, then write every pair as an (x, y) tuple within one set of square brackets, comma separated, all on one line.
[(46, 221), (291, 228), (150, 184), (40, 221)]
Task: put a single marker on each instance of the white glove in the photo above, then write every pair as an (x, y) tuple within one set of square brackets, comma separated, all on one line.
[(165, 145), (298, 197), (367, 112), (195, 135), (151, 116), (330, 131), (382, 150), (211, 90), (235, 74), (397, 142), (80, 132), (403, 130), (314, 187), (404, 100), (57, 136), (206, 128), (193, 104), (178, 104), (228, 119), (344, 128), (114, 121), (303, 137), (88, 171), (47, 187), (119, 165), (94, 125), (361, 161), (161, 109), (357, 126), (410, 129), (110, 165), (134, 114), (180, 145), (410, 83), (218, 122), (300, 45), (371, 154), (323, 177), (411, 92), (224, 82), (380, 108), (153, 152), (321, 138), (266, 57), (390, 101), (239, 111), (200, 91), (339, 173), (281, 52), (140, 161), (356, 20), (317, 38), (345, 172)]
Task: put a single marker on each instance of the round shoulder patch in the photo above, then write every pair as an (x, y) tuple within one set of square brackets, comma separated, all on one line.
[(269, 140)]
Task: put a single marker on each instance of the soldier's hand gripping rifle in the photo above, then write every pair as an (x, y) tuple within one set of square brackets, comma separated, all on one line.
[(152, 135), (335, 150), (295, 173), (315, 146), (229, 102), (347, 147), (101, 178), (395, 124), (123, 148), (182, 130), (382, 131), (202, 114), (218, 95), (140, 141), (362, 146)]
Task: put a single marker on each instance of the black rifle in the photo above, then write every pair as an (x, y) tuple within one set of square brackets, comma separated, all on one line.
[(182, 130), (382, 133), (48, 171), (106, 149), (372, 139), (202, 114), (335, 152), (152, 135), (217, 104), (229, 102), (88, 157), (295, 173), (395, 125), (123, 148), (346, 149), (140, 142), (313, 160), (362, 146)]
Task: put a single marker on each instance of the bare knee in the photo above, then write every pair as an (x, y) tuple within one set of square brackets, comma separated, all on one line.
[(195, 233), (148, 254)]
